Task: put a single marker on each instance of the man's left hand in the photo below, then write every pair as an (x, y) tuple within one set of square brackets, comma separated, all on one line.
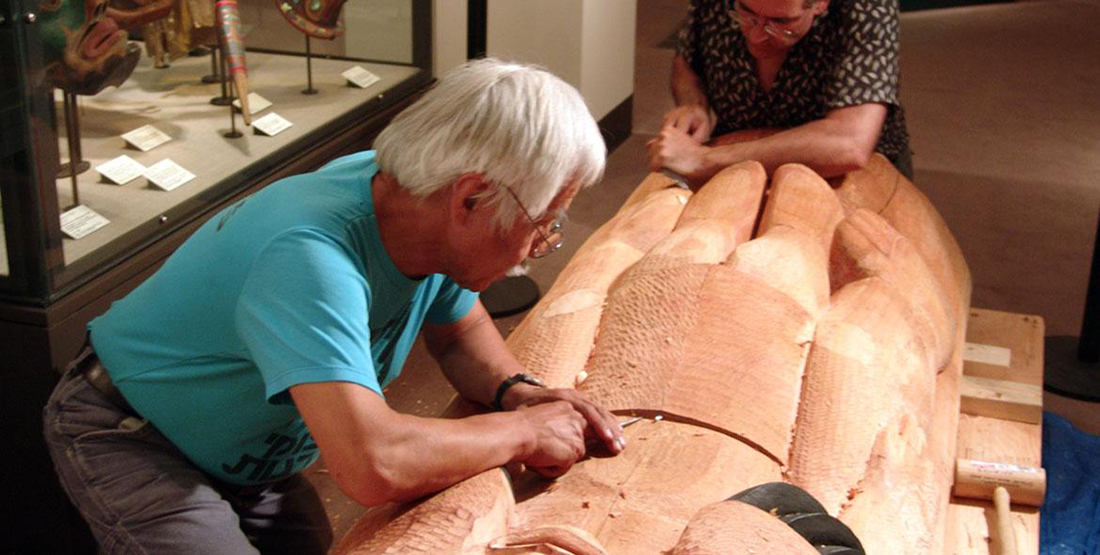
[(602, 425), (677, 151)]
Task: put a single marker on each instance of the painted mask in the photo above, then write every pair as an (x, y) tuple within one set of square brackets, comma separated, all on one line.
[(316, 18), (84, 42)]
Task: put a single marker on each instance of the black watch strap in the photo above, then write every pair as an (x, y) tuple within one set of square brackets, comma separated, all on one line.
[(513, 380)]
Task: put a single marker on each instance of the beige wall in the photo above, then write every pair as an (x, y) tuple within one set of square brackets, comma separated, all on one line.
[(589, 43), (607, 40)]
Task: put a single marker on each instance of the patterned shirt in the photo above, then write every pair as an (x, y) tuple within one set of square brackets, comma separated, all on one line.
[(849, 57)]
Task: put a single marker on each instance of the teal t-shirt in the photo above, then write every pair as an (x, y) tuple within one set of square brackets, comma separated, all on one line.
[(291, 285)]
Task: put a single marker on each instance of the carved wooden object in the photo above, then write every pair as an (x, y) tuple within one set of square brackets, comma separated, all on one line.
[(787, 330)]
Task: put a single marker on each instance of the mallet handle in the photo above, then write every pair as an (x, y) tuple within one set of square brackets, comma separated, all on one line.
[(1005, 535)]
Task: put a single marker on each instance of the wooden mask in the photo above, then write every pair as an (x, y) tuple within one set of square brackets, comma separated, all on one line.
[(316, 18)]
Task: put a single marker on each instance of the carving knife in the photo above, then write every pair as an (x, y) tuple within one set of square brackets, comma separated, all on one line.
[(677, 177)]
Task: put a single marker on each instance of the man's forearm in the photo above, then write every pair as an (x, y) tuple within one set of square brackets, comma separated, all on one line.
[(687, 88), (424, 455), (473, 355), (830, 146), (377, 455)]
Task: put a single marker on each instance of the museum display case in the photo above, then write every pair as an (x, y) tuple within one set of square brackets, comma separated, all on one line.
[(168, 111), (138, 101)]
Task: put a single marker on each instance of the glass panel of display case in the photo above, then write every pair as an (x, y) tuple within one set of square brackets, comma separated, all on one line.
[(376, 30), (174, 103), (150, 127)]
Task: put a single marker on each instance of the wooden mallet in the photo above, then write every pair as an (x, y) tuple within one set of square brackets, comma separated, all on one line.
[(1004, 484)]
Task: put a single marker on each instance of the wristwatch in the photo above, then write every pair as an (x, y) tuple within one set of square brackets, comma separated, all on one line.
[(517, 378)]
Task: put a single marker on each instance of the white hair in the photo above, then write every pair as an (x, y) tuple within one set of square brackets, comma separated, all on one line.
[(517, 125)]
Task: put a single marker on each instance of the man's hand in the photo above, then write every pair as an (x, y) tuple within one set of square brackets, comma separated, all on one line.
[(677, 151), (601, 424), (558, 439), (693, 119)]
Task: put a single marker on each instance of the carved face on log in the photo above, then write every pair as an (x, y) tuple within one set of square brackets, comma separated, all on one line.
[(85, 49), (316, 18)]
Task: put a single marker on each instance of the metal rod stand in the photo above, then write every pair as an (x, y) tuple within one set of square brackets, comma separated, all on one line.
[(232, 133), (309, 69), (76, 164), (1073, 364), (213, 77), (225, 99)]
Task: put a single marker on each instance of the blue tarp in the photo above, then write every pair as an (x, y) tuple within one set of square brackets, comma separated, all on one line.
[(1071, 513)]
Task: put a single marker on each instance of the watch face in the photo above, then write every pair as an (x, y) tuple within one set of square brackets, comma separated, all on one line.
[(84, 47), (316, 18)]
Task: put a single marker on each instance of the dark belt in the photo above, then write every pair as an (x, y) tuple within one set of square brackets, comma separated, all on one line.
[(88, 365)]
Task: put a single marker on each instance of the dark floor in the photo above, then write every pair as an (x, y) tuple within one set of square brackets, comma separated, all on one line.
[(1003, 104)]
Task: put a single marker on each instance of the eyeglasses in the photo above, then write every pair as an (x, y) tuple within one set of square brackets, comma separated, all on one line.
[(779, 29), (551, 239)]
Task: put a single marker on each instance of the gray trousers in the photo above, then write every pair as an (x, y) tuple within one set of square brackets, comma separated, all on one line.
[(141, 495)]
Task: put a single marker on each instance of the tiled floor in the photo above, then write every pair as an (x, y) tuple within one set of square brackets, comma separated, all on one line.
[(1003, 105)]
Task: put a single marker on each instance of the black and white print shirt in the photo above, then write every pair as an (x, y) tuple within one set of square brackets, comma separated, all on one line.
[(849, 57)]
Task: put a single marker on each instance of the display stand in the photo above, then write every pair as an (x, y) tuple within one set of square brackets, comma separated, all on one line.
[(1072, 368), (510, 295), (215, 74), (233, 133), (225, 99), (76, 164), (309, 69)]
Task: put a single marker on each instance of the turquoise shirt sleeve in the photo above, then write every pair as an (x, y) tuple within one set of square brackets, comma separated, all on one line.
[(451, 303), (302, 315)]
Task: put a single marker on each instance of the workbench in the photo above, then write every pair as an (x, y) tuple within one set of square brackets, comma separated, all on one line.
[(1000, 346)]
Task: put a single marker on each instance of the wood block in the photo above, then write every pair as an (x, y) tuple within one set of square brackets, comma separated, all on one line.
[(1002, 399), (991, 332)]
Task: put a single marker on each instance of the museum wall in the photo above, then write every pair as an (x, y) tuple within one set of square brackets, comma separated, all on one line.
[(588, 43)]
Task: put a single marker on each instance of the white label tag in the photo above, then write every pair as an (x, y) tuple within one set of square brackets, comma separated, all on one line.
[(80, 221), (988, 354), (360, 77), (168, 175), (146, 138), (256, 103), (271, 124), (121, 170)]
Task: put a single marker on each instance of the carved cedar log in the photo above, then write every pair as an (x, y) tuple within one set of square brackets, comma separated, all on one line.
[(733, 527), (825, 351)]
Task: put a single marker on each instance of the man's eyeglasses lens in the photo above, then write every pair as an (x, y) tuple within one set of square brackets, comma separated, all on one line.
[(550, 239), (750, 20)]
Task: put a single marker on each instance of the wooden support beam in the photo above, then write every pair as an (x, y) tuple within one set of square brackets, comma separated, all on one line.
[(1002, 399)]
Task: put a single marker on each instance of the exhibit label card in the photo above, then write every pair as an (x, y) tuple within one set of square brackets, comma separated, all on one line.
[(121, 170), (146, 138), (80, 221), (360, 77), (168, 175), (271, 124), (256, 103)]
